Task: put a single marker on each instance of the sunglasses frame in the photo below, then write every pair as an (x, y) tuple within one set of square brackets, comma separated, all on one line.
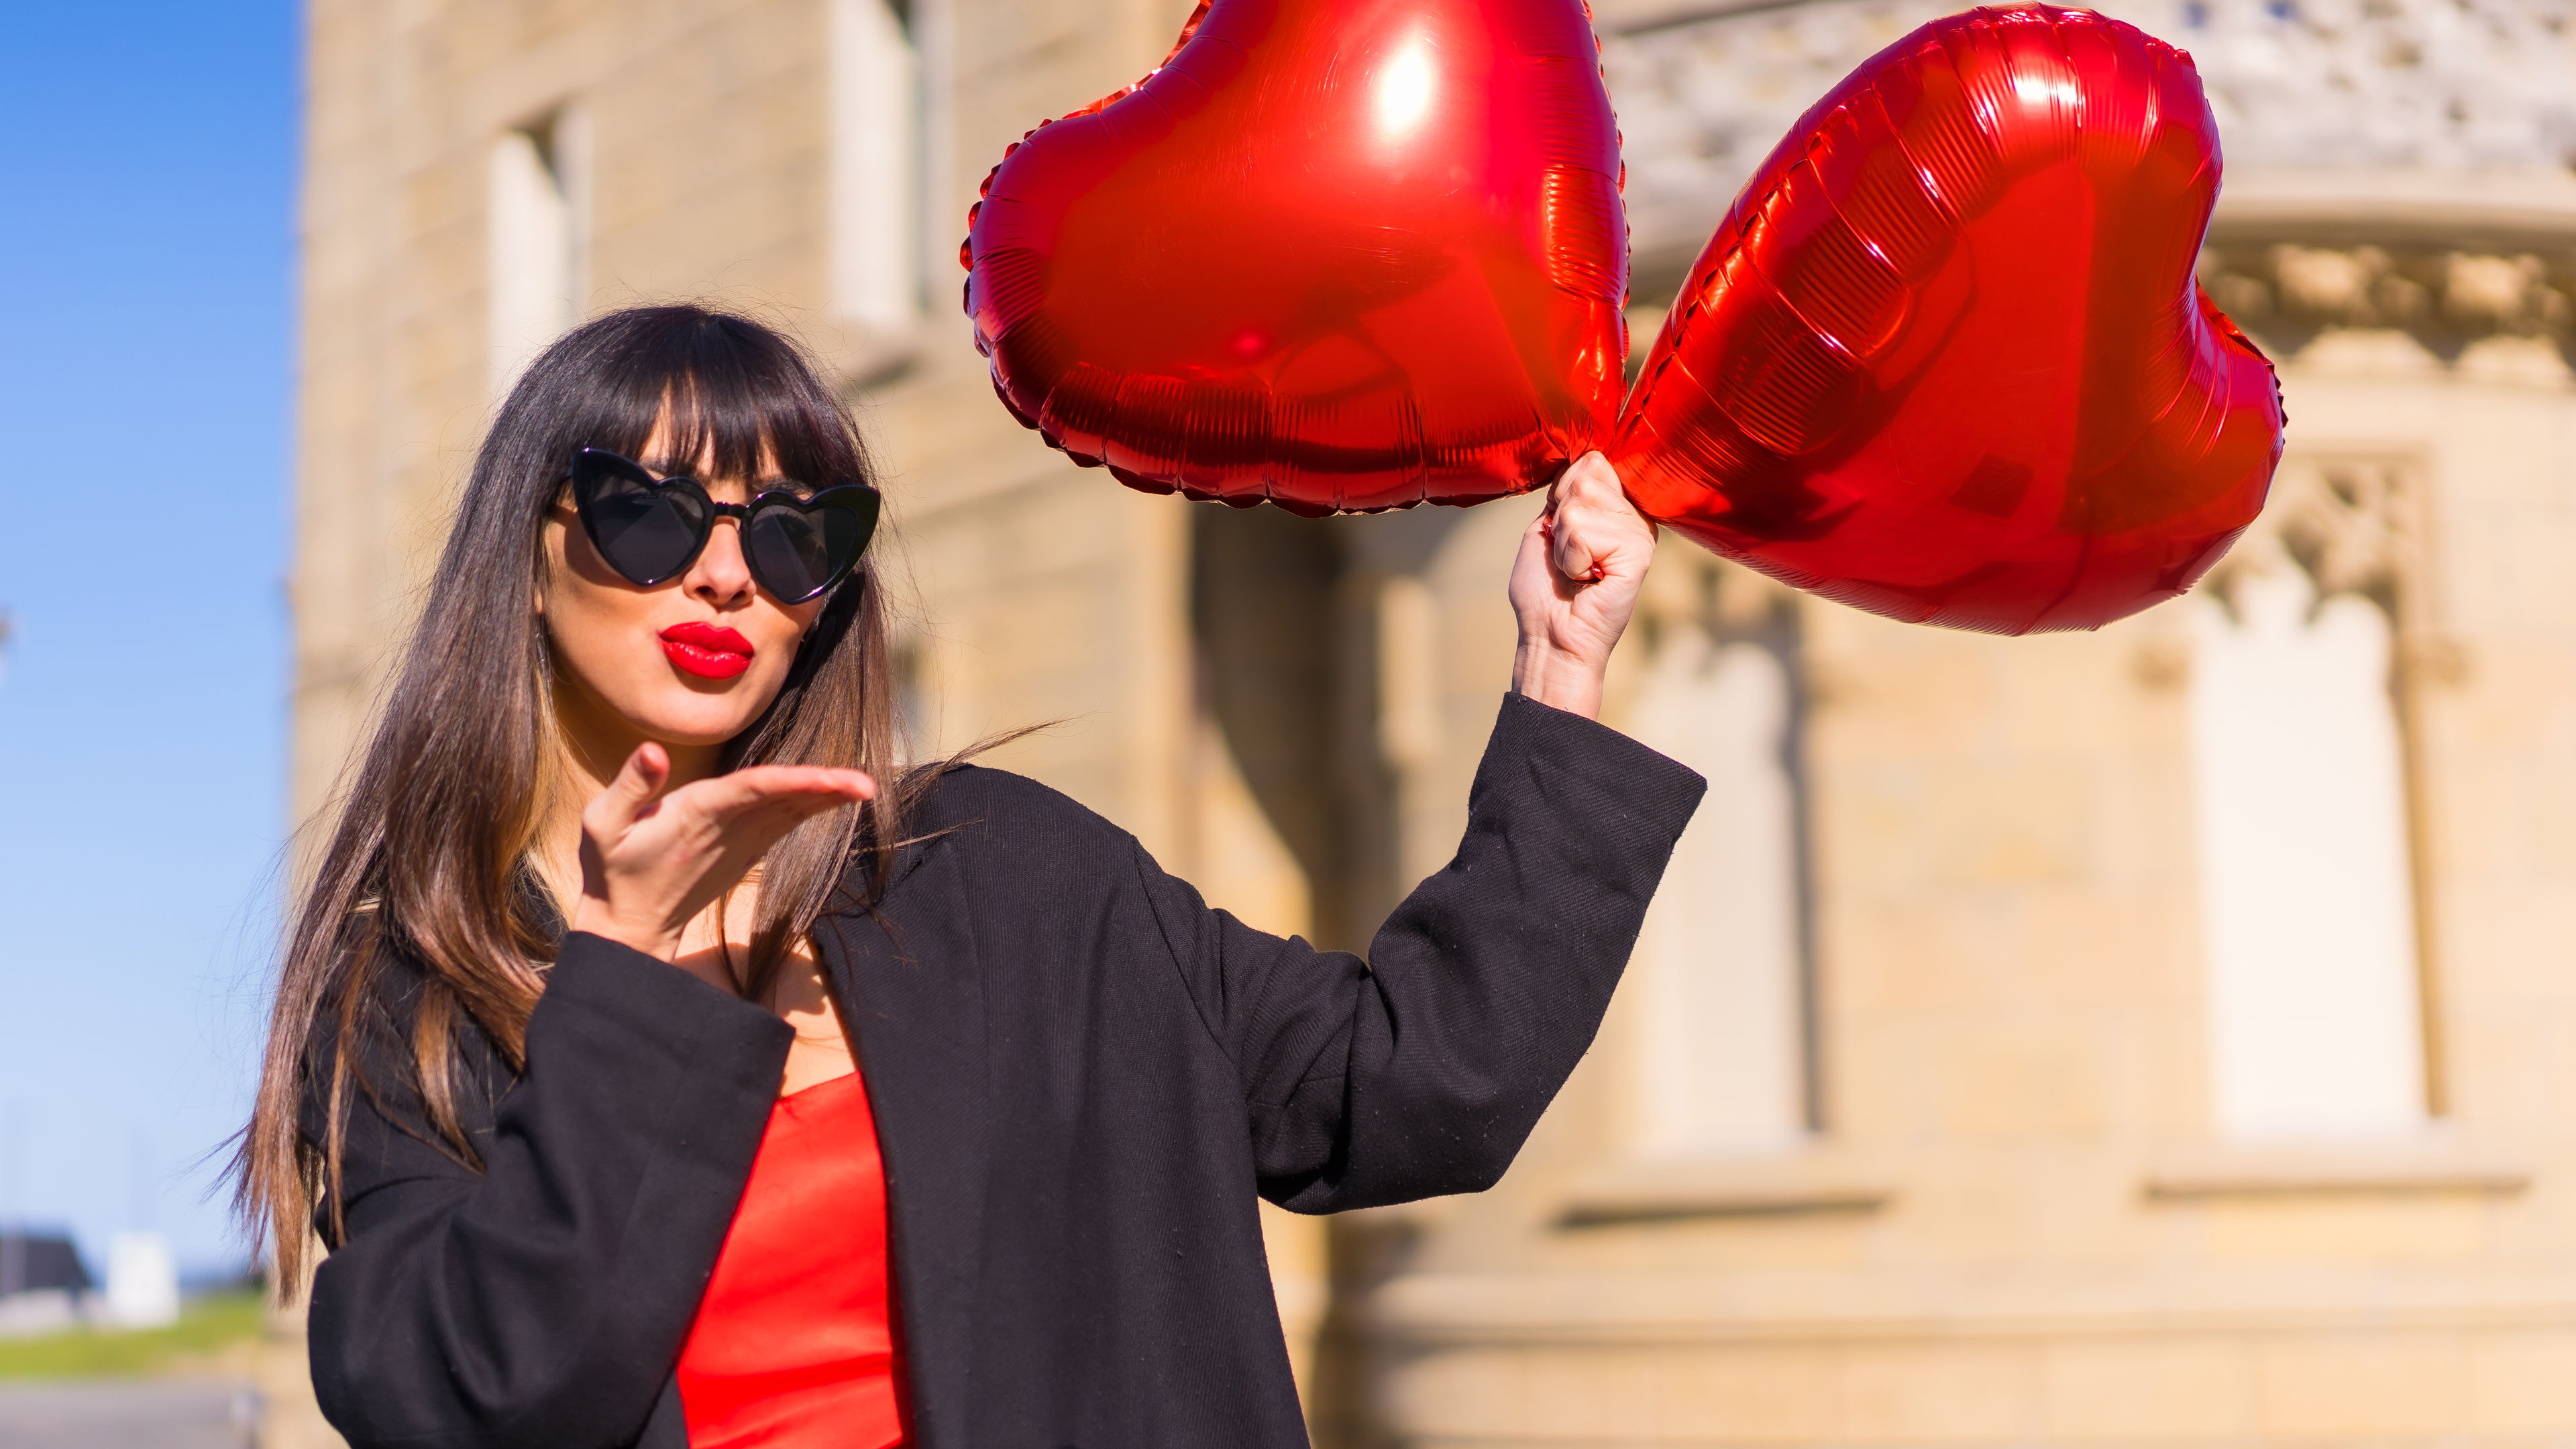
[(858, 498)]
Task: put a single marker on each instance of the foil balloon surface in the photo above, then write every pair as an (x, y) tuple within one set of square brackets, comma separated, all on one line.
[(1339, 254), (1945, 359)]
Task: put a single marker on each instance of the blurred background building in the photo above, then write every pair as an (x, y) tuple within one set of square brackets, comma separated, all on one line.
[(2159, 1036)]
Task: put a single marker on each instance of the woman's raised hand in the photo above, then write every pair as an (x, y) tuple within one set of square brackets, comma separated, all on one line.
[(1575, 584), (650, 862)]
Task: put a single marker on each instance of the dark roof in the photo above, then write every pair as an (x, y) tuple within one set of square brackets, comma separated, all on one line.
[(40, 1260)]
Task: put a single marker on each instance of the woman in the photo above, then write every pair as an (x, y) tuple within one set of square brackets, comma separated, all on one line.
[(945, 1129)]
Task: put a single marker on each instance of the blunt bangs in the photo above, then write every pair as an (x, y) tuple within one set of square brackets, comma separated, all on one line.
[(733, 390)]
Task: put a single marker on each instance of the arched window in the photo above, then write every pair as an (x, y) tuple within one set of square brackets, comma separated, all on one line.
[(2310, 906), (1721, 969)]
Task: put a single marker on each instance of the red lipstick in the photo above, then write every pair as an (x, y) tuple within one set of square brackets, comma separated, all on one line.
[(709, 651)]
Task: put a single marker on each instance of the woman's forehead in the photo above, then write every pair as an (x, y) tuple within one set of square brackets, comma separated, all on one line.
[(664, 453)]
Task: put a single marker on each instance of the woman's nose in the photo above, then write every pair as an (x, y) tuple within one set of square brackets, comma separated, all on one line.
[(721, 575)]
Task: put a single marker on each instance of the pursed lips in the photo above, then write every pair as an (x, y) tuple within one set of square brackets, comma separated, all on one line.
[(708, 651)]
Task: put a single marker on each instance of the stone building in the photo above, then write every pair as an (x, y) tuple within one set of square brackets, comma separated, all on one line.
[(2156, 1036)]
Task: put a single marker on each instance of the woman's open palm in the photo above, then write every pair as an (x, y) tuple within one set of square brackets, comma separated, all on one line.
[(650, 862)]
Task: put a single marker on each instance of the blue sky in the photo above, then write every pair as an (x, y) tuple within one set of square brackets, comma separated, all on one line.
[(147, 154)]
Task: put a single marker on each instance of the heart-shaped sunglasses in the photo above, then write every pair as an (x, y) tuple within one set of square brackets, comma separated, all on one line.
[(651, 529)]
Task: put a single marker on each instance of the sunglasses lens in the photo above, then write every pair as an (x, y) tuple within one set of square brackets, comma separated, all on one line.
[(646, 533), (798, 552)]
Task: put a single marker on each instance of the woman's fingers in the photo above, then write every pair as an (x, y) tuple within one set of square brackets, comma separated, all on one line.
[(1535, 565), (652, 861), (798, 790), (1571, 546), (630, 797), (716, 808), (759, 803), (1596, 531)]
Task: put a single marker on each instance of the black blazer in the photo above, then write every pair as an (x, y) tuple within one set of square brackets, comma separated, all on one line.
[(1081, 1075)]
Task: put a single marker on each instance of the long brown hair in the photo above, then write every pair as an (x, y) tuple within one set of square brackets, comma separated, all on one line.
[(432, 850)]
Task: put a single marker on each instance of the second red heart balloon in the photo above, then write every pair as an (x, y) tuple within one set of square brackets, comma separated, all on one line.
[(1338, 254), (1945, 359)]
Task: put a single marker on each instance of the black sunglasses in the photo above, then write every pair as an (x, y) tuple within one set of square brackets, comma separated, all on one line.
[(651, 529)]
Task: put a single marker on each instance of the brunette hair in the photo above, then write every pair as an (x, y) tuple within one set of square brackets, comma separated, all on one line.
[(431, 851)]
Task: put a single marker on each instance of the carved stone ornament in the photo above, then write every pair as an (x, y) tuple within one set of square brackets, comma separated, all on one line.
[(2286, 293), (2353, 525), (2445, 85)]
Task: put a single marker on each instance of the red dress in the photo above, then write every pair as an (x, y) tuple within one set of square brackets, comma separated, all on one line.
[(794, 1345)]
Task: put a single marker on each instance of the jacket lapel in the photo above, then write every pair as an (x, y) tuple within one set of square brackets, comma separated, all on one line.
[(912, 987)]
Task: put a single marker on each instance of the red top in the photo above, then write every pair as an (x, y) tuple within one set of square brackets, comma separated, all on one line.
[(794, 1343)]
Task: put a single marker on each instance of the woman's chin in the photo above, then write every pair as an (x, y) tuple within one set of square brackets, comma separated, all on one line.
[(693, 720)]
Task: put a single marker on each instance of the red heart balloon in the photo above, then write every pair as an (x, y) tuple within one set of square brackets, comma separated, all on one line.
[(1945, 359), (1341, 254)]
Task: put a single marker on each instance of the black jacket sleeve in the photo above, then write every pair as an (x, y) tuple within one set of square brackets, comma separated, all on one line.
[(1421, 1070), (542, 1301)]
